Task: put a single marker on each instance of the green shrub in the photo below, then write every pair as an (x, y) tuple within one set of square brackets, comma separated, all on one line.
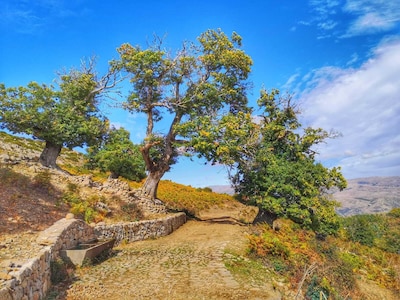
[(118, 155), (365, 229), (58, 271), (395, 213), (315, 289), (82, 208), (354, 261)]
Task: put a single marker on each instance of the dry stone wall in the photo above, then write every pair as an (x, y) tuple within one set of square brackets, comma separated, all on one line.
[(32, 280), (142, 230), (66, 234)]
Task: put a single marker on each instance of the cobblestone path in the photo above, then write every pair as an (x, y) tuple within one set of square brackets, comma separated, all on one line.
[(188, 264)]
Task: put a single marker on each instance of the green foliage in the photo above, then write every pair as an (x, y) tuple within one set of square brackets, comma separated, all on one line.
[(83, 208), (278, 172), (67, 116), (352, 260), (58, 271), (379, 230), (315, 289), (394, 212), (207, 78), (118, 155), (337, 263), (205, 189), (268, 245), (228, 140), (364, 229)]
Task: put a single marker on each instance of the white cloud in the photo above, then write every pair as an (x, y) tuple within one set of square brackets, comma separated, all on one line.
[(364, 105), (372, 16), (353, 17)]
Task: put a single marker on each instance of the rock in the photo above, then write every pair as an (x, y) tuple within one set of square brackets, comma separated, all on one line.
[(5, 276), (103, 208), (70, 216)]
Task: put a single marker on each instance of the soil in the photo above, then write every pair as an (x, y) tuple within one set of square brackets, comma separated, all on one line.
[(191, 263), (188, 264)]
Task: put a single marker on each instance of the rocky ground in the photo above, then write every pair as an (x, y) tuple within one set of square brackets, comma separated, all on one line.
[(188, 264), (192, 263)]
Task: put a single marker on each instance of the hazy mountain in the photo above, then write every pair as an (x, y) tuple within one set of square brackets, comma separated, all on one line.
[(222, 189), (369, 195), (362, 196)]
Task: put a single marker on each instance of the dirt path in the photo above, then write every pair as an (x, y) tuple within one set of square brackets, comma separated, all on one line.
[(188, 264)]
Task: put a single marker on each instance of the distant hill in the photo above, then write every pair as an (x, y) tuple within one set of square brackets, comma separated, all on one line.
[(369, 195), (222, 189), (362, 196)]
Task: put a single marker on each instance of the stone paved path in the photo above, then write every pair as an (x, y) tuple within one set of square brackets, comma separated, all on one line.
[(187, 264)]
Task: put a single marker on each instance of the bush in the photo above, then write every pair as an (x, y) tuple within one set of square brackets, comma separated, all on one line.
[(315, 289), (395, 213), (118, 155), (58, 271), (365, 229), (268, 245), (83, 208)]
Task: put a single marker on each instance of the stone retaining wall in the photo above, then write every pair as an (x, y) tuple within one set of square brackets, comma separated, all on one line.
[(31, 280), (142, 230)]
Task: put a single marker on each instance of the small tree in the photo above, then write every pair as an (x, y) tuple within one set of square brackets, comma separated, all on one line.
[(68, 116), (194, 88), (118, 155)]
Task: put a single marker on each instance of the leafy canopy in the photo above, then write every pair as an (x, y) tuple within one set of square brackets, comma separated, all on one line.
[(118, 155), (272, 164), (67, 116), (191, 90)]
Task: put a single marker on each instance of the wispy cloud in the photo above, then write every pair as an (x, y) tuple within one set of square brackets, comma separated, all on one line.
[(353, 17), (32, 16), (325, 10), (372, 16), (22, 19), (363, 105)]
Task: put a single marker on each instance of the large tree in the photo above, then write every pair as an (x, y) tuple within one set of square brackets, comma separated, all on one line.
[(65, 116), (191, 90), (272, 162), (282, 174)]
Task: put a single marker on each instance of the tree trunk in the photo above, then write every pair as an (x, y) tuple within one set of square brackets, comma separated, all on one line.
[(264, 216), (114, 175), (49, 155), (150, 186)]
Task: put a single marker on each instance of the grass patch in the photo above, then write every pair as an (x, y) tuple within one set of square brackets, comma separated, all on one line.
[(246, 270)]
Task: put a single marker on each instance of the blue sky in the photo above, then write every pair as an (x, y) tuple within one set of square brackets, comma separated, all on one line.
[(341, 59)]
